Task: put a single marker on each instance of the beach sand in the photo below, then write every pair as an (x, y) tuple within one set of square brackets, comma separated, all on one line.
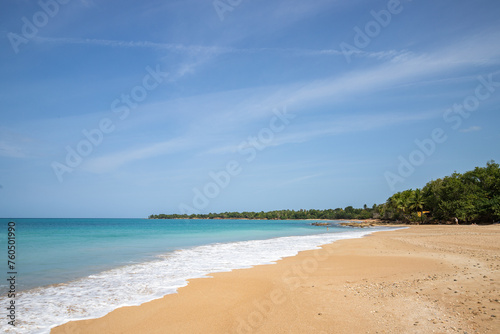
[(425, 279)]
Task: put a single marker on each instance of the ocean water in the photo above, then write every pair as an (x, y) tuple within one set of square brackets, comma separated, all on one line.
[(69, 269)]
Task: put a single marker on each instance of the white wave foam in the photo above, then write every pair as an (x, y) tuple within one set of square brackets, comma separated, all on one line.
[(40, 309)]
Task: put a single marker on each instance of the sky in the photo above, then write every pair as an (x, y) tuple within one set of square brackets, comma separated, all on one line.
[(131, 108)]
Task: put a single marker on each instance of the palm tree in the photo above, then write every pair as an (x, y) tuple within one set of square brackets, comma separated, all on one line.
[(397, 203), (417, 202)]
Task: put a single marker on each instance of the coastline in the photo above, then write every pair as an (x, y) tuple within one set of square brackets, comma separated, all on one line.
[(421, 279), (168, 255)]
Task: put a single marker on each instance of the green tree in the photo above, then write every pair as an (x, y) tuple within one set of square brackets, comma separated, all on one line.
[(417, 203)]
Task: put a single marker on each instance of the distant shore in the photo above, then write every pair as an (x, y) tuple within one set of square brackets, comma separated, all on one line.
[(344, 222), (422, 279)]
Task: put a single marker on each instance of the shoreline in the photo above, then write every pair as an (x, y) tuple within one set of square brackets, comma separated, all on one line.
[(95, 295), (352, 222), (422, 279)]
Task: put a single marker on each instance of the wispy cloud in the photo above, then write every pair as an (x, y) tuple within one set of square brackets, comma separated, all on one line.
[(409, 67), (300, 179), (135, 44), (219, 50), (401, 69), (11, 150), (471, 129), (15, 145), (113, 161), (353, 124), (301, 97), (334, 126)]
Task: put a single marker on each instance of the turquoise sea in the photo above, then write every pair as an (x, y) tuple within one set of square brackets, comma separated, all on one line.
[(84, 268)]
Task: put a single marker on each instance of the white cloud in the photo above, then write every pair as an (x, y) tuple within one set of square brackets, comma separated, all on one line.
[(17, 145), (303, 132), (191, 49), (113, 161), (219, 50), (11, 150), (254, 104), (471, 129)]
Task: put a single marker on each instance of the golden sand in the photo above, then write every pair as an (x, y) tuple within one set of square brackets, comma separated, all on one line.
[(425, 279)]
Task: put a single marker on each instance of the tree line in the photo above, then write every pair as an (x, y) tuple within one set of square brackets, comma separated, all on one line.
[(471, 197), (339, 213)]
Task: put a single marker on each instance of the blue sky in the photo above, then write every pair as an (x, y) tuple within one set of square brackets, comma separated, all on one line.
[(128, 108)]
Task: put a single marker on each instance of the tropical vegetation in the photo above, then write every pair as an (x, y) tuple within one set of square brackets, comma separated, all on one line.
[(339, 213), (471, 197)]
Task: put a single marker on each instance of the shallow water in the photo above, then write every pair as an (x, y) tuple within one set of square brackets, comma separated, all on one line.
[(70, 269)]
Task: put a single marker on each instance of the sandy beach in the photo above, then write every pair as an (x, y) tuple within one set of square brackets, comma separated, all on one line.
[(424, 279)]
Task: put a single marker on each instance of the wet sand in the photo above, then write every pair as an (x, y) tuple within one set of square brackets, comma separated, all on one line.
[(425, 279)]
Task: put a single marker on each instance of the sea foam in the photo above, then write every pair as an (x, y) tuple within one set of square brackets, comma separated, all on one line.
[(40, 309)]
